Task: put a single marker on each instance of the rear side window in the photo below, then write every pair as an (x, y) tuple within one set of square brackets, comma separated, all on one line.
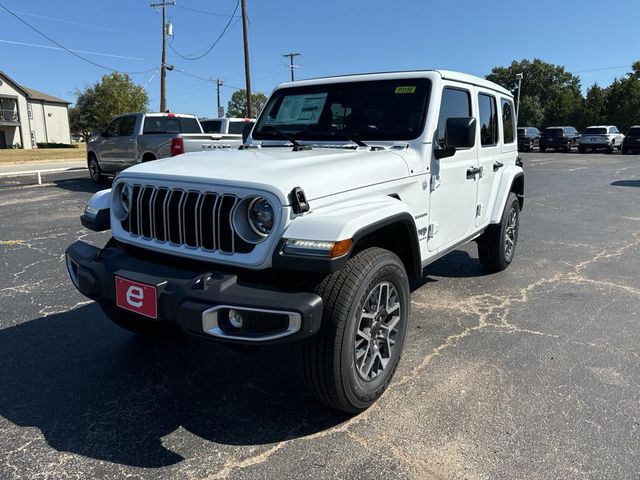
[(211, 126), (127, 126), (171, 125), (237, 127), (488, 120), (522, 131), (508, 123), (455, 103), (634, 132), (553, 132)]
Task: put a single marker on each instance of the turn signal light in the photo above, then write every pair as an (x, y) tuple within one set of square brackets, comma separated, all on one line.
[(341, 248)]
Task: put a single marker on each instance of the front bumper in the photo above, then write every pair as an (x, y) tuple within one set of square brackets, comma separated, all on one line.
[(195, 300)]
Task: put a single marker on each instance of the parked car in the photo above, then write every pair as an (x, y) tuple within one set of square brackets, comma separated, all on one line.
[(631, 142), (226, 126), (559, 138), (315, 238), (601, 137), (141, 137), (528, 138)]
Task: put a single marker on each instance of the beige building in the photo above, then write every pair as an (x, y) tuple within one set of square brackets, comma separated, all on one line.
[(29, 117)]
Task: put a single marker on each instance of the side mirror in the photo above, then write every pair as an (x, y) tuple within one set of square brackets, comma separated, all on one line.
[(246, 131), (458, 133)]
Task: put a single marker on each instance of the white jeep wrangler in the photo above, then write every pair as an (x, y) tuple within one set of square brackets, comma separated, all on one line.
[(310, 232)]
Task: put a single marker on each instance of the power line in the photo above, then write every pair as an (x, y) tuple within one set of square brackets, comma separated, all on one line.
[(67, 49), (49, 47), (211, 47), (203, 11), (603, 68)]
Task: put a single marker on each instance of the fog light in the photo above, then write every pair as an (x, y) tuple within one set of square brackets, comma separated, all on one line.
[(235, 319)]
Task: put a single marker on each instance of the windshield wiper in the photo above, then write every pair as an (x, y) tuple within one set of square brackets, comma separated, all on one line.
[(357, 141), (297, 146)]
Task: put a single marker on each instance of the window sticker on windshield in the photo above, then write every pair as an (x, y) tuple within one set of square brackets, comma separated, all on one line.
[(301, 109), (406, 89)]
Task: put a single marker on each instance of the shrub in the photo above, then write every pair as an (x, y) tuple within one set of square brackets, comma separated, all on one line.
[(55, 145)]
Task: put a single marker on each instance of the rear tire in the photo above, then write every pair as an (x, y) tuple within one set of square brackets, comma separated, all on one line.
[(497, 245), (350, 362)]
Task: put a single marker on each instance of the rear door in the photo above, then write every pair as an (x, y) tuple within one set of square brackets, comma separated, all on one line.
[(453, 192), (493, 113)]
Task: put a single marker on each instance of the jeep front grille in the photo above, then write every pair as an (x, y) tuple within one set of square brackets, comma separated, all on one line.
[(184, 217)]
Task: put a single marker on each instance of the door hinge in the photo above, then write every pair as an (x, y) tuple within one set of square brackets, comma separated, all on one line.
[(434, 228), (435, 182)]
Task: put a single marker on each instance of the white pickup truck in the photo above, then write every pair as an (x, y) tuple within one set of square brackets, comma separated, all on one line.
[(347, 188), (141, 137)]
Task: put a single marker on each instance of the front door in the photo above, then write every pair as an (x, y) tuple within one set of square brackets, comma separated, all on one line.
[(123, 144), (453, 191), (107, 146)]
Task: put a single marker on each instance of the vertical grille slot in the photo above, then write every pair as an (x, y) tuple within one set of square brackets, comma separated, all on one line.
[(146, 218), (207, 221), (159, 220), (225, 229), (173, 216), (133, 211), (190, 219)]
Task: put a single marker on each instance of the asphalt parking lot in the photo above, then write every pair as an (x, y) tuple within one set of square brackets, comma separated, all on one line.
[(529, 373)]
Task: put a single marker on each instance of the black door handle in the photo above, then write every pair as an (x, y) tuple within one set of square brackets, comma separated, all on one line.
[(472, 172), (497, 166)]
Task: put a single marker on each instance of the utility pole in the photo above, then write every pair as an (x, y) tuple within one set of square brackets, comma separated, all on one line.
[(247, 72), (219, 83), (163, 65), (519, 78), (291, 65)]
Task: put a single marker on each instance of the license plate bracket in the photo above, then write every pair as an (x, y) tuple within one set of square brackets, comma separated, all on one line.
[(136, 297)]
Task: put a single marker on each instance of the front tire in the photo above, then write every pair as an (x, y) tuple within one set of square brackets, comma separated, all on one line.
[(497, 245), (95, 171), (351, 361)]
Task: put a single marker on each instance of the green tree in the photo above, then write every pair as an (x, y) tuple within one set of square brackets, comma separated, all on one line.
[(97, 104), (623, 101), (237, 106), (595, 107), (557, 91), (530, 112)]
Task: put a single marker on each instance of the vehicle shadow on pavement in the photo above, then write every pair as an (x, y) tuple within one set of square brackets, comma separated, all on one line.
[(95, 390), (626, 183), (81, 185), (457, 264)]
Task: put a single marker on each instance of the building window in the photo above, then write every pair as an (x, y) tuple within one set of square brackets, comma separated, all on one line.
[(33, 139), (30, 111)]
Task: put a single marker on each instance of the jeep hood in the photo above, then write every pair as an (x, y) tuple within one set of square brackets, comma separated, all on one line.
[(319, 172)]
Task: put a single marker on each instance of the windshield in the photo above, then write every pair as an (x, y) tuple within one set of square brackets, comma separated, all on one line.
[(634, 132), (595, 131), (371, 110), (553, 131)]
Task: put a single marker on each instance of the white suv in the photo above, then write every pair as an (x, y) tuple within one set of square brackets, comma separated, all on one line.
[(601, 137), (346, 189)]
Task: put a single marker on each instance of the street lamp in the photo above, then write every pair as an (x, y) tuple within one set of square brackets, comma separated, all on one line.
[(519, 77)]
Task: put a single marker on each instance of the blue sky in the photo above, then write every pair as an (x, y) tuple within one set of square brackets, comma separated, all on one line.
[(334, 36)]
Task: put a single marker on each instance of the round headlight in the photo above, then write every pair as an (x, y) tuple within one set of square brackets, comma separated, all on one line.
[(260, 216), (124, 197), (122, 201)]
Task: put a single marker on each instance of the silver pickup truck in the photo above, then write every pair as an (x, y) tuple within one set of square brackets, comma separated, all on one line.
[(141, 137)]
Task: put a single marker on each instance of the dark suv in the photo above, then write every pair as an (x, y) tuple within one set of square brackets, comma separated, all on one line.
[(559, 138), (631, 142), (528, 138)]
